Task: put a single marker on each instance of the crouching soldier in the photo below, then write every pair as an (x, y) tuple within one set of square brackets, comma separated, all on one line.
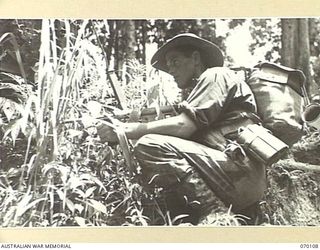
[(193, 156)]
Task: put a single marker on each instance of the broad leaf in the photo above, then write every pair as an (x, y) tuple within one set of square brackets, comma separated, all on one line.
[(70, 205), (89, 192), (98, 206)]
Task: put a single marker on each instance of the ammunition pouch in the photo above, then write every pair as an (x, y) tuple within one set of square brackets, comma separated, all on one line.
[(257, 141)]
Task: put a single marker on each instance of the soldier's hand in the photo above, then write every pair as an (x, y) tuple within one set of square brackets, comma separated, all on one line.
[(106, 133)]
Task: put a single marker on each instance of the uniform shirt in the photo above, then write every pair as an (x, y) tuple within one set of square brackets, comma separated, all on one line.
[(218, 93)]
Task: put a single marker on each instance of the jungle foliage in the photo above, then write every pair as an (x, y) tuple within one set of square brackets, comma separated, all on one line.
[(55, 85)]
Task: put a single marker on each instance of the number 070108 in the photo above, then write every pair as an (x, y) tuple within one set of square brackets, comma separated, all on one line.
[(310, 246)]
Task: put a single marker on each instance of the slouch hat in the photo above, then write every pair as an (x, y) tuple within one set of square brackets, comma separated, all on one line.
[(210, 53)]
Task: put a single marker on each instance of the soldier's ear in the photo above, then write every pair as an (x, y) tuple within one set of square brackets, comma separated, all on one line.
[(196, 57)]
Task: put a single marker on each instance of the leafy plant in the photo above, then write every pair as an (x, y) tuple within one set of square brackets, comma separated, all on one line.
[(68, 177)]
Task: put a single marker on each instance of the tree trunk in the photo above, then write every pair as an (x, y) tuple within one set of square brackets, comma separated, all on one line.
[(313, 33), (125, 45), (111, 40), (295, 50), (129, 45), (141, 37), (130, 39), (289, 51), (118, 54)]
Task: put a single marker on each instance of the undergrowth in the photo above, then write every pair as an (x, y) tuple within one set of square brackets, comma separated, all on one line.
[(54, 169)]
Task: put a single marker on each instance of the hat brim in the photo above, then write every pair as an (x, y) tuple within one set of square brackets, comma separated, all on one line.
[(210, 53)]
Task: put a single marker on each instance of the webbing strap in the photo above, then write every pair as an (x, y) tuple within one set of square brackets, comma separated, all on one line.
[(247, 71), (305, 95), (236, 119)]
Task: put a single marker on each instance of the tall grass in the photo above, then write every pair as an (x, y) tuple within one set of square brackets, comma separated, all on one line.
[(44, 178), (68, 179), (59, 80)]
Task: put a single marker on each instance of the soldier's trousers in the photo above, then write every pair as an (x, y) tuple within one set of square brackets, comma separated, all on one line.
[(197, 174)]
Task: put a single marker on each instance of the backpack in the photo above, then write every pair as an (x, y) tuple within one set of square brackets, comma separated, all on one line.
[(279, 93)]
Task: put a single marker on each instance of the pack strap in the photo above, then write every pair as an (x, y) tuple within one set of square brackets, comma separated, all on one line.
[(247, 71), (236, 119), (305, 95)]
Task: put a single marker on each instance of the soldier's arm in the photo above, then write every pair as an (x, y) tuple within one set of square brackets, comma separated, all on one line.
[(180, 126)]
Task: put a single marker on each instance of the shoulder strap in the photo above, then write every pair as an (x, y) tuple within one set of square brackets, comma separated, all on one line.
[(246, 71)]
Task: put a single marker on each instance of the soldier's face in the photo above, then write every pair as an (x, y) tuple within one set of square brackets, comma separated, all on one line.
[(181, 67)]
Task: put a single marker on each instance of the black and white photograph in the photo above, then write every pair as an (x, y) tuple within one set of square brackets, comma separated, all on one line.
[(159, 122)]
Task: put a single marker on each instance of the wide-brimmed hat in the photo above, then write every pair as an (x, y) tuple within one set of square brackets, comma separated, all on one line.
[(210, 53)]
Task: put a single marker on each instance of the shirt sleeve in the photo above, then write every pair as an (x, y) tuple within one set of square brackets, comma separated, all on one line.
[(216, 91)]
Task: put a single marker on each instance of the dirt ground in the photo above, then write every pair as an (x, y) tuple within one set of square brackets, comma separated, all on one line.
[(293, 195)]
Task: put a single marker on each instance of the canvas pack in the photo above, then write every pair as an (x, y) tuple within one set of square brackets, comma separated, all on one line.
[(279, 93)]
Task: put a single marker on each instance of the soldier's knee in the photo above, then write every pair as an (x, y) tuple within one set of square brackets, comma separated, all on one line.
[(146, 142), (145, 145)]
